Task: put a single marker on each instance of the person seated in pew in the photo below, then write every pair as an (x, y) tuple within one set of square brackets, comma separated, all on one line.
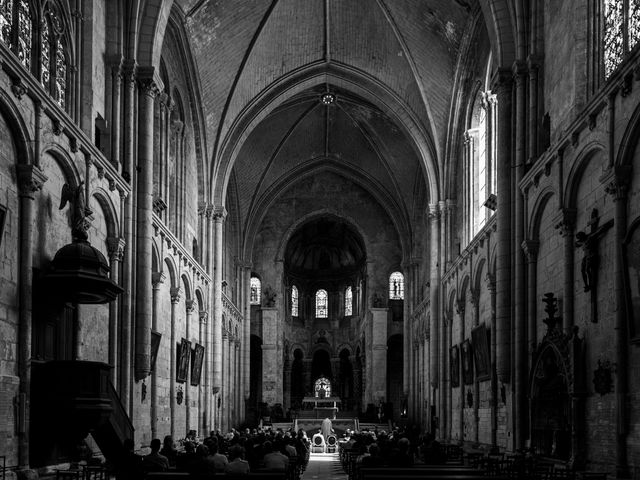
[(130, 464), (169, 450), (433, 453), (202, 464), (219, 460), (401, 455), (373, 459), (237, 464), (154, 462), (273, 459), (289, 449)]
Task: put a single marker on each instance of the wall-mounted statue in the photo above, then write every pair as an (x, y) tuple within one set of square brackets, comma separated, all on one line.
[(269, 297), (76, 197)]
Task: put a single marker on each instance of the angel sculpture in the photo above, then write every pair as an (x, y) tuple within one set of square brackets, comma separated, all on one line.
[(75, 196)]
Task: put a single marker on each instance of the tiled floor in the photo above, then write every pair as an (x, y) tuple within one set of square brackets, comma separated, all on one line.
[(324, 466)]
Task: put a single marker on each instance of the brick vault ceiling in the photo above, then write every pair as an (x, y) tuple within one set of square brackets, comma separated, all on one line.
[(243, 48)]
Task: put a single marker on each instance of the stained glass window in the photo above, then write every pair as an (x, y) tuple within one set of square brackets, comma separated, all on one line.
[(348, 302), (396, 286), (45, 59), (294, 301), (322, 388), (6, 20), (321, 304), (255, 291), (620, 34), (634, 23), (24, 33), (61, 75)]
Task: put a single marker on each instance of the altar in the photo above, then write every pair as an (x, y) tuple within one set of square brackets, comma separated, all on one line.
[(326, 407)]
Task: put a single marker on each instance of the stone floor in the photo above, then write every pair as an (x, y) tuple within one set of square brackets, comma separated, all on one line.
[(325, 466)]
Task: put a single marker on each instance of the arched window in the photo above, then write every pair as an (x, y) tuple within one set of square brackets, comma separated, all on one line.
[(348, 302), (322, 388), (396, 286), (321, 304), (621, 32), (255, 291), (6, 20), (16, 29), (53, 56), (294, 301)]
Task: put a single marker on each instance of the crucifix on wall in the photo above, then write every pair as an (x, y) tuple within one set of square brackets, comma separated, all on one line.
[(589, 266)]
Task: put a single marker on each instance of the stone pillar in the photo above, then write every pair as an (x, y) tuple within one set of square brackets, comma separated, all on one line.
[(208, 247), (115, 246), (203, 400), (128, 265), (307, 375), (175, 298), (144, 222), (30, 180), (406, 331), (271, 358), (503, 258), (565, 224), (189, 308), (521, 373), (219, 215), (238, 397), (246, 341), (116, 84), (378, 338), (434, 299), (530, 249), (224, 390), (616, 180), (533, 108), (491, 287), (157, 279), (474, 298)]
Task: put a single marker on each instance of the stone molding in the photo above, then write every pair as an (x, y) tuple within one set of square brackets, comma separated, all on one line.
[(30, 180)]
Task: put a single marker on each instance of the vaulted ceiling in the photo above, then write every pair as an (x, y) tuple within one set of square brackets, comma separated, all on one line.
[(263, 66)]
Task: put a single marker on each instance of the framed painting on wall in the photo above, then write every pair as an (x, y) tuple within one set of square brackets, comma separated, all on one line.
[(197, 356), (467, 363), (631, 258), (480, 344), (184, 353), (155, 346), (454, 363)]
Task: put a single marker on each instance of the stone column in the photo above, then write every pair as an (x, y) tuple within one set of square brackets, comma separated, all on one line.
[(532, 63), (157, 279), (434, 277), (30, 180), (530, 249), (474, 298), (503, 258), (565, 224), (406, 331), (116, 84), (175, 298), (189, 308), (219, 215), (616, 180), (378, 336), (115, 246), (521, 373), (203, 401), (246, 341), (128, 265), (207, 248), (271, 363), (224, 392), (144, 221), (238, 390), (491, 287)]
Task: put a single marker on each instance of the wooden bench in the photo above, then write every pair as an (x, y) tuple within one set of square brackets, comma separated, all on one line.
[(422, 471), (266, 475)]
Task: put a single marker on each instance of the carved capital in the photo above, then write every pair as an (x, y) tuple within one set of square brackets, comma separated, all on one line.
[(203, 315), (30, 180), (190, 305), (530, 249), (148, 87), (219, 213), (519, 69), (502, 83), (490, 280), (460, 306), (175, 292), (433, 211), (616, 181), (129, 71), (157, 278), (115, 247), (565, 221)]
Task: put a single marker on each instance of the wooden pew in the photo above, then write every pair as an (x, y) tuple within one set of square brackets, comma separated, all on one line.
[(421, 471)]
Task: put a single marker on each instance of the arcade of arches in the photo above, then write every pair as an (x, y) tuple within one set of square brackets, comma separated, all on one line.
[(214, 212)]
